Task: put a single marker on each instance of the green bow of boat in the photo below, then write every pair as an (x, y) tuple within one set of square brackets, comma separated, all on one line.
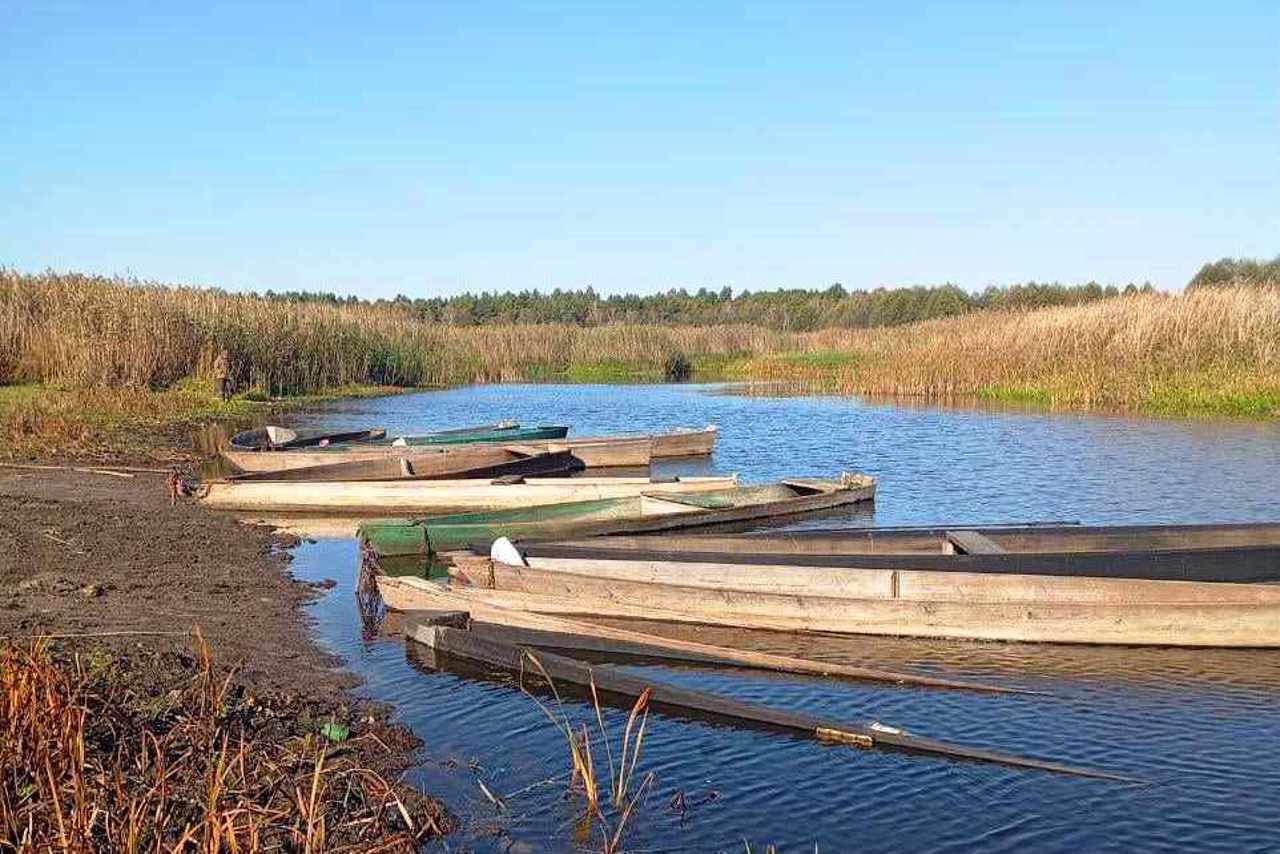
[(422, 537)]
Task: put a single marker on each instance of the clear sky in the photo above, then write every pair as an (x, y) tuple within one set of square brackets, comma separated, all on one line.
[(428, 148)]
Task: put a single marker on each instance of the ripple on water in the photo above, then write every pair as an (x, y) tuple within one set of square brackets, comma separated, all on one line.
[(1202, 724)]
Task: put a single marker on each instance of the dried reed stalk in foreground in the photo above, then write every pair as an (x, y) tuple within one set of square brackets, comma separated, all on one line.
[(89, 764)]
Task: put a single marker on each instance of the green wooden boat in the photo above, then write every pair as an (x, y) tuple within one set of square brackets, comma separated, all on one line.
[(652, 511), (499, 433)]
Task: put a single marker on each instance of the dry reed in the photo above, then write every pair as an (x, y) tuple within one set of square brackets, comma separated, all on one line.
[(1212, 350), (582, 765), (87, 765)]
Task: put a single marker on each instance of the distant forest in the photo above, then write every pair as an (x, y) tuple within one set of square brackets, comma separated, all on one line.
[(1238, 272), (788, 310)]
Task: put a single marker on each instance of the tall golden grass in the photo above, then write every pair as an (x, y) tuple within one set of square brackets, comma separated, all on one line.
[(86, 764), (1210, 350), (92, 332), (1207, 350)]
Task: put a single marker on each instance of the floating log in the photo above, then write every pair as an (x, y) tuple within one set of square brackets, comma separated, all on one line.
[(611, 682)]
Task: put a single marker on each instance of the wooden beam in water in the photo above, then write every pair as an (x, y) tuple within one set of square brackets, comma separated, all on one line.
[(610, 681), (448, 600)]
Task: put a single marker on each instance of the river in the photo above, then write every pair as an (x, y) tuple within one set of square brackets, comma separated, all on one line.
[(1202, 725)]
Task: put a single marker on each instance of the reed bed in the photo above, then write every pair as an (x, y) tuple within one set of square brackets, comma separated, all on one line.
[(1207, 352), (88, 764), (91, 332), (1210, 350)]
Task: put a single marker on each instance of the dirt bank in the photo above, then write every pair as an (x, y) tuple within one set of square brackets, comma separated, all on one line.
[(86, 553), (107, 566)]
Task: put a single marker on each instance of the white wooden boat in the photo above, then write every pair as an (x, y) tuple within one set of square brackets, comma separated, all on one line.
[(415, 496), (849, 600), (591, 451)]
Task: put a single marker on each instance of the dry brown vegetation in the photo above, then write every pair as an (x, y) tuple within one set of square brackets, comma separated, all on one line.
[(1209, 351), (92, 332), (90, 763)]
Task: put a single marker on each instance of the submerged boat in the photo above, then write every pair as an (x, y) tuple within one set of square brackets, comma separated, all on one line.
[(1186, 589), (485, 461), (414, 496), (655, 510), (273, 438), (591, 452)]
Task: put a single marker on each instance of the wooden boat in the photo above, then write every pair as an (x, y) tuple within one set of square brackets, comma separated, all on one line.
[(592, 452), (685, 442), (504, 433), (413, 496), (486, 461), (682, 442), (273, 438), (1240, 553), (655, 510), (926, 603)]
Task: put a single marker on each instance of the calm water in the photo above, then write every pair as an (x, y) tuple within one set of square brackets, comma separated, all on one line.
[(1203, 725)]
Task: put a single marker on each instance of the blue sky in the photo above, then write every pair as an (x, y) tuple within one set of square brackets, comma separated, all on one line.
[(428, 148)]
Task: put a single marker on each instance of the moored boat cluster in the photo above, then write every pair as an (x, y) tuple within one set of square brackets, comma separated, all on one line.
[(529, 519)]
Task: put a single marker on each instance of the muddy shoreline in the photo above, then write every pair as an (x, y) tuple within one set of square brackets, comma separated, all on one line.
[(105, 565)]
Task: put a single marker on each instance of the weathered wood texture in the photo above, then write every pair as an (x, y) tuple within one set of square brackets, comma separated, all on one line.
[(611, 682), (415, 594), (893, 602), (415, 496)]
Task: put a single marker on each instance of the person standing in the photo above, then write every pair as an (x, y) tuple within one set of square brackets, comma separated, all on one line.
[(222, 374)]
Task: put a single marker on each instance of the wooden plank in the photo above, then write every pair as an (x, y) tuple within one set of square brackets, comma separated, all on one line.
[(973, 543), (612, 682), (1160, 624), (415, 594)]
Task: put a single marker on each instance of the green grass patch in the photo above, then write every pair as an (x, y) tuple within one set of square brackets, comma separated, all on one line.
[(1021, 395), (48, 421), (611, 372), (821, 360), (1185, 400), (721, 366)]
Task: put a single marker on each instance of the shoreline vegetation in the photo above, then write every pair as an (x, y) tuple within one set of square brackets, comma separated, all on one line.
[(88, 364)]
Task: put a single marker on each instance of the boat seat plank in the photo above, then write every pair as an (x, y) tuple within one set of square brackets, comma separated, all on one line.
[(973, 543)]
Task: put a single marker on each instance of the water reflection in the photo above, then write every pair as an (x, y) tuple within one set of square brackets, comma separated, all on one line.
[(1202, 723)]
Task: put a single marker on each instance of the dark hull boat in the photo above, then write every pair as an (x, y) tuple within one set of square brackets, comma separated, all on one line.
[(1241, 553), (273, 438), (481, 462), (507, 432)]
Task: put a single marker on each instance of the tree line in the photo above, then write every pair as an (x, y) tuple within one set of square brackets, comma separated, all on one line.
[(786, 309), (1238, 272)]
